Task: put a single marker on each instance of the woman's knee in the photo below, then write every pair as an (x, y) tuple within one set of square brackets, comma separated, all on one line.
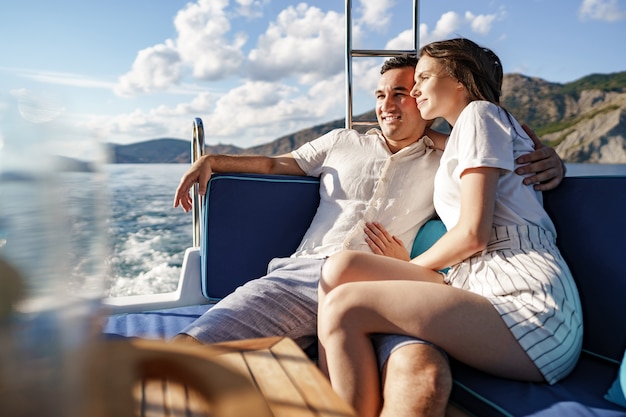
[(338, 269)]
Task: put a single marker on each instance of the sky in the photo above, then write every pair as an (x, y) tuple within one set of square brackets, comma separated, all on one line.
[(74, 73)]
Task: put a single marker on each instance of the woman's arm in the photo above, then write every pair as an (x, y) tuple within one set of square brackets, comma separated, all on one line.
[(473, 230)]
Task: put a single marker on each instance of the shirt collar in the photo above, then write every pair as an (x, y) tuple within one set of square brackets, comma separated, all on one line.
[(418, 146)]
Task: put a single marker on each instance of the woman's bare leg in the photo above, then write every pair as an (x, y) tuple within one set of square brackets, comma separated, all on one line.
[(464, 324), (351, 266)]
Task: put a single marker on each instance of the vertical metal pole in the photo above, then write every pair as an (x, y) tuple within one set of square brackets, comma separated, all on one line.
[(197, 150), (416, 27), (348, 64)]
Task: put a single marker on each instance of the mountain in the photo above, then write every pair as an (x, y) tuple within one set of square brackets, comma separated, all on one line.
[(585, 121), (161, 151)]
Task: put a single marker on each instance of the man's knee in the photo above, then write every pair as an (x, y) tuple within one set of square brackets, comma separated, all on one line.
[(185, 338), (416, 381)]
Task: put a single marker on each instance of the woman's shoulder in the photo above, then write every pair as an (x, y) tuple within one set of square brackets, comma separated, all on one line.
[(478, 112), (483, 106)]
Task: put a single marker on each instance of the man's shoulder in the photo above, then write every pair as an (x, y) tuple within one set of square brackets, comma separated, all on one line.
[(352, 135), (344, 131)]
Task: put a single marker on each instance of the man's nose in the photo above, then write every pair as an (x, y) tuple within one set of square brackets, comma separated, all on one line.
[(387, 104)]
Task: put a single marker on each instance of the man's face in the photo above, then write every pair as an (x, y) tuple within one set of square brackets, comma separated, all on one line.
[(396, 111)]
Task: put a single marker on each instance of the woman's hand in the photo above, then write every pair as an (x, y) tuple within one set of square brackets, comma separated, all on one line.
[(382, 243)]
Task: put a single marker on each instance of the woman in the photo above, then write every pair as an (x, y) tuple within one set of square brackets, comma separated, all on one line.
[(508, 305)]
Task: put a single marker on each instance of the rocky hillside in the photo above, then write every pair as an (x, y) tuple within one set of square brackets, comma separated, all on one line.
[(584, 120)]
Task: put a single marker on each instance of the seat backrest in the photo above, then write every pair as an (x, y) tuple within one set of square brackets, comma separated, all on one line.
[(248, 220), (590, 217)]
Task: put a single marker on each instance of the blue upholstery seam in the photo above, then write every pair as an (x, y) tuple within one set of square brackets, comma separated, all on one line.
[(597, 355), (289, 178), (483, 399)]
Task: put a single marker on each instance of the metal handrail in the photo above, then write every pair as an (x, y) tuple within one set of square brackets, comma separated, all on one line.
[(353, 53), (197, 150)]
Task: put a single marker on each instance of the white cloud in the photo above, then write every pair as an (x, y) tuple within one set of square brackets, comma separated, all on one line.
[(155, 68), (203, 43), (259, 111), (303, 42), (448, 23), (375, 14), (251, 8), (480, 24), (404, 41), (608, 10), (448, 26), (253, 113)]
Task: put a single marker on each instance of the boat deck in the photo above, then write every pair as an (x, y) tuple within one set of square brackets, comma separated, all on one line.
[(290, 384)]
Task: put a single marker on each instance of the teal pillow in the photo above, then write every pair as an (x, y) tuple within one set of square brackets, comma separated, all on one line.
[(428, 234), (617, 392)]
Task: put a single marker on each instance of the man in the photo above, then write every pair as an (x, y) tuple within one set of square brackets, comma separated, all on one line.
[(384, 176)]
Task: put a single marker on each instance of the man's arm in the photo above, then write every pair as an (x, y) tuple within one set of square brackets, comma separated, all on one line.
[(545, 167), (201, 171)]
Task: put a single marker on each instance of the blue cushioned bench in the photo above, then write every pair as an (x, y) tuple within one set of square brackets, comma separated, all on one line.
[(253, 218)]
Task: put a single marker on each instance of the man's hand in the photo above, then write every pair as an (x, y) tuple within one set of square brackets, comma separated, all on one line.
[(382, 243), (199, 173), (544, 164)]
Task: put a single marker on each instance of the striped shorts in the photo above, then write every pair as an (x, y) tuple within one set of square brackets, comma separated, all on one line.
[(522, 273)]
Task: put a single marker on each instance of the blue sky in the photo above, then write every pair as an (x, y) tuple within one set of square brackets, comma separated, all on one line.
[(75, 72)]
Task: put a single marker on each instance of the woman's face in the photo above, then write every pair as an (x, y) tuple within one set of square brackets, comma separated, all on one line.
[(436, 93)]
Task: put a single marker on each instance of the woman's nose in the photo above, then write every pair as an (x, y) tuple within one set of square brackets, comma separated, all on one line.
[(415, 91)]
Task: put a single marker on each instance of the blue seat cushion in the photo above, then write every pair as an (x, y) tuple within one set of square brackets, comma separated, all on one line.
[(159, 324), (249, 219), (589, 216), (580, 394)]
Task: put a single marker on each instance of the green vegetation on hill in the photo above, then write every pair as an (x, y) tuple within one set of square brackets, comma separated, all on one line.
[(603, 82)]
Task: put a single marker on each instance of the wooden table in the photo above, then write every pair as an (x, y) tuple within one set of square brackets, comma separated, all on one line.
[(291, 385)]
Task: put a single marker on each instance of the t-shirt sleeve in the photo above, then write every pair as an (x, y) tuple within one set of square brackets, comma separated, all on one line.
[(311, 156), (485, 139)]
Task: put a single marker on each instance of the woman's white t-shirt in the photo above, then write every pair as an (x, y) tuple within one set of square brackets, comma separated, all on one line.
[(484, 136)]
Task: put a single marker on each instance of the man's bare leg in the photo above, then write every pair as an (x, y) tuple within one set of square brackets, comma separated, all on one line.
[(416, 382)]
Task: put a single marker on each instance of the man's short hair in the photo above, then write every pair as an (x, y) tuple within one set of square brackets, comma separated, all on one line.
[(402, 61)]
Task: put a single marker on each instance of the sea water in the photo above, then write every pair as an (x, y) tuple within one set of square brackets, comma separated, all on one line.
[(149, 237)]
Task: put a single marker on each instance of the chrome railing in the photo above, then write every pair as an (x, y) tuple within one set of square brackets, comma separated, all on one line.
[(384, 53), (197, 150)]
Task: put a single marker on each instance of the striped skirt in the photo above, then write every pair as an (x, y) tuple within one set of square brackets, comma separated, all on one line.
[(522, 273)]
